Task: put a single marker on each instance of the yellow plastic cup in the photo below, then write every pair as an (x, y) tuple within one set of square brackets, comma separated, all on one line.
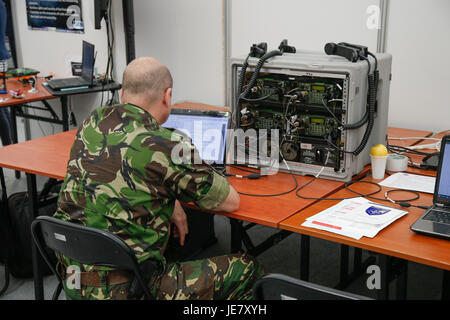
[(378, 159)]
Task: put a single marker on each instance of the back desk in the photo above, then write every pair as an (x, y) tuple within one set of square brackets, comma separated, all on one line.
[(396, 240)]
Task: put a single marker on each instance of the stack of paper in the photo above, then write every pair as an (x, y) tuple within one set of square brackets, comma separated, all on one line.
[(355, 218), (408, 181)]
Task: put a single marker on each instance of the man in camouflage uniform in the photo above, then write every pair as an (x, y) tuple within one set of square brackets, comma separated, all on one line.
[(123, 178)]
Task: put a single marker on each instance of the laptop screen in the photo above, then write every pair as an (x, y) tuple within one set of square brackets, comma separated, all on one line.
[(88, 62), (208, 131), (443, 183)]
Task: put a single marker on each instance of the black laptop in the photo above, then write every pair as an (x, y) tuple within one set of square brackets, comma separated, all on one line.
[(87, 73), (436, 221), (208, 131)]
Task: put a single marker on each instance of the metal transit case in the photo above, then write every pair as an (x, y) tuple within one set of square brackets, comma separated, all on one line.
[(328, 110)]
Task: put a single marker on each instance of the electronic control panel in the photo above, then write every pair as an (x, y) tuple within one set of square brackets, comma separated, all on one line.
[(308, 111), (327, 111)]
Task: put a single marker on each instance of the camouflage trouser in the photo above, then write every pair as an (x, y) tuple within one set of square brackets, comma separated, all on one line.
[(226, 277)]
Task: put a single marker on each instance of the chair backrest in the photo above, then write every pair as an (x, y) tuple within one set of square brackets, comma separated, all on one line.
[(282, 287), (85, 245)]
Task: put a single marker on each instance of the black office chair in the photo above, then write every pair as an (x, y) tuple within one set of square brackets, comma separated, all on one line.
[(85, 245), (281, 287)]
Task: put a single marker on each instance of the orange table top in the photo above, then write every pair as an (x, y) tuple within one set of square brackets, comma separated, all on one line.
[(439, 135), (13, 84), (396, 240), (270, 211), (394, 132), (47, 156), (198, 106), (418, 159)]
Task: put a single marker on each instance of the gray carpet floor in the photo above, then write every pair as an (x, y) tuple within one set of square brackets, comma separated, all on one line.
[(424, 283)]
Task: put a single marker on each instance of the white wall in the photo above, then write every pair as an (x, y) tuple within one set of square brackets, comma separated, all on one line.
[(418, 38), (188, 37), (307, 25), (120, 59), (52, 51)]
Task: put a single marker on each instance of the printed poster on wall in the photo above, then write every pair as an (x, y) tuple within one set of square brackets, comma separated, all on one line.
[(60, 15)]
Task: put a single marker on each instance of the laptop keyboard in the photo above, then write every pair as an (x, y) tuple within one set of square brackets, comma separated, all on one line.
[(438, 216), (65, 83)]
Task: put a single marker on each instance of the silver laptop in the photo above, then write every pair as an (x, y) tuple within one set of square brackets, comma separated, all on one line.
[(87, 72), (436, 221), (208, 131)]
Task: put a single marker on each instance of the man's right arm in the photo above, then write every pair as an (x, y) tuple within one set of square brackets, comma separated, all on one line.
[(231, 202), (198, 183)]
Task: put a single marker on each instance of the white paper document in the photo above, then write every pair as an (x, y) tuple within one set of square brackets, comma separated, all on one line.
[(408, 181), (355, 218)]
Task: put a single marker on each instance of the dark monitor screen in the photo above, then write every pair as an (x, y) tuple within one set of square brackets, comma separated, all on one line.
[(101, 12), (443, 183), (208, 134), (87, 72)]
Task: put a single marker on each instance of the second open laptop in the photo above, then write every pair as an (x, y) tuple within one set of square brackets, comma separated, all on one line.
[(436, 221), (208, 131), (87, 73)]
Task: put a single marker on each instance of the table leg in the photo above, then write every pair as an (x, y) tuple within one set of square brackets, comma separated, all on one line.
[(236, 235), (37, 271), (446, 285), (343, 267), (65, 113), (305, 242), (357, 262), (359, 266), (14, 135), (383, 292), (402, 280), (26, 124)]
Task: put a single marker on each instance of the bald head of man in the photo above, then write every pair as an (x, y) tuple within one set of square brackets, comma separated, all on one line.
[(147, 83)]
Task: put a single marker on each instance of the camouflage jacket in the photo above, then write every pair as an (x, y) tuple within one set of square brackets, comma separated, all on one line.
[(122, 177)]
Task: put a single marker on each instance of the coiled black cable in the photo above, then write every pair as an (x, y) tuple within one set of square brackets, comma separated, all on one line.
[(254, 176), (371, 115), (242, 76), (242, 95), (258, 99), (358, 124), (365, 118), (255, 75), (235, 115), (347, 186)]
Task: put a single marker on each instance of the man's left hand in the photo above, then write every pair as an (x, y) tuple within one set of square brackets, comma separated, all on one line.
[(179, 219)]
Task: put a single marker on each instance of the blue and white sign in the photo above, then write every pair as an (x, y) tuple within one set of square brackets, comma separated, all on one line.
[(376, 211), (63, 15)]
